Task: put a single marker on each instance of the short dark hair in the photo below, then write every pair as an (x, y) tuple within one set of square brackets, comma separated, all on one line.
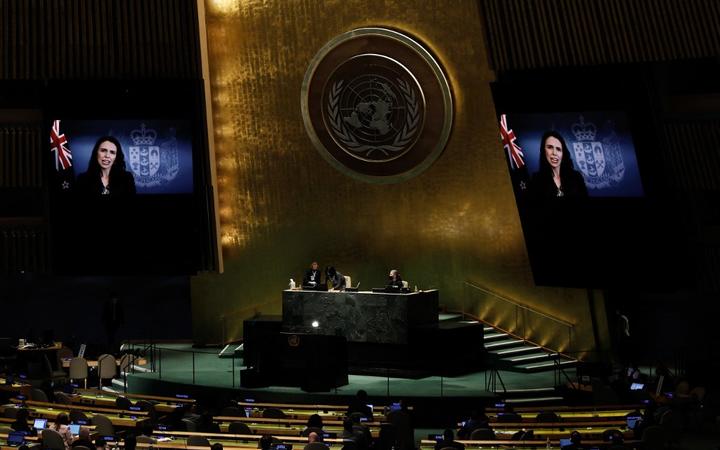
[(265, 442)]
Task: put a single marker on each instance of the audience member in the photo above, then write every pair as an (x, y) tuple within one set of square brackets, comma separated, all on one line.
[(216, 446), (130, 442), (575, 442), (21, 423), (265, 442), (100, 444), (85, 441), (477, 419), (62, 426), (448, 440), (314, 442), (359, 404)]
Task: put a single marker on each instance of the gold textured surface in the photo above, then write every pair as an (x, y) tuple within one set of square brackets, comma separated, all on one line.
[(282, 205)]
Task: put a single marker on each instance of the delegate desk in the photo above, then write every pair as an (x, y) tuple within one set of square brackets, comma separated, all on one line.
[(368, 317)]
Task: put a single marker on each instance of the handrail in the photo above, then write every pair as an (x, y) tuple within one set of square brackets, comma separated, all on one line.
[(520, 305)]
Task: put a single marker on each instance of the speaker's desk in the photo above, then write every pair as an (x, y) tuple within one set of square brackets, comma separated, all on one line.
[(372, 317)]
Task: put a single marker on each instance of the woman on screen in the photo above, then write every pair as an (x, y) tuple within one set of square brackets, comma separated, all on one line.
[(557, 176), (106, 175)]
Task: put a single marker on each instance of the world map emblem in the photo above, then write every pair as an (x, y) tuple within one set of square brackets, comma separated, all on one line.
[(377, 105)]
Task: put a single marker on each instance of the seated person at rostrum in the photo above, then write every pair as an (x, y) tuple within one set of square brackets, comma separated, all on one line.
[(394, 280), (336, 278), (311, 280)]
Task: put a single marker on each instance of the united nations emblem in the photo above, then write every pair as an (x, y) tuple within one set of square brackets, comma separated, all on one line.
[(151, 164), (377, 105), (600, 162)]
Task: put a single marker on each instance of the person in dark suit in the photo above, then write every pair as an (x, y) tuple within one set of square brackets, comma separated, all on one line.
[(107, 175), (557, 176), (311, 280), (394, 280)]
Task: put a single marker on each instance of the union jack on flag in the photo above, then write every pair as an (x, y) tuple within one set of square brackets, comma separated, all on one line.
[(515, 153), (58, 145)]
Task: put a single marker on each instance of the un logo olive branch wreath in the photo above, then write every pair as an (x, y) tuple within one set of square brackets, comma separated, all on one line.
[(408, 132)]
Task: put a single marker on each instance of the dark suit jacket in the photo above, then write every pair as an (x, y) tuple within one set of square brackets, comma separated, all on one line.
[(121, 184)]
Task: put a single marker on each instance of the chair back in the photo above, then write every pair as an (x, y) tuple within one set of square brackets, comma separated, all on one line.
[(52, 440), (654, 437), (107, 367), (482, 434), (123, 403), (38, 395), (239, 428), (78, 368), (273, 413), (126, 362), (547, 416), (306, 432), (348, 281), (146, 440), (190, 425), (62, 398), (232, 411), (198, 441), (10, 413), (406, 284), (103, 425), (75, 416)]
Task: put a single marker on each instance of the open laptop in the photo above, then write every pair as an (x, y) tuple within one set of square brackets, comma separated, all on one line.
[(75, 428), (565, 442), (40, 424), (637, 387)]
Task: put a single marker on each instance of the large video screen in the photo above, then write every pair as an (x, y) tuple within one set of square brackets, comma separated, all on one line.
[(116, 157), (581, 151), (571, 154)]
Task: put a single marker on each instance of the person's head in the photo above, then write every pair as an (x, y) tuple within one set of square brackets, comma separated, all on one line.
[(313, 437), (330, 271), (314, 265), (394, 274), (85, 434), (362, 395), (62, 419), (100, 443), (130, 441), (575, 438), (265, 442), (216, 446), (107, 155), (315, 421), (448, 435), (147, 429), (22, 415), (554, 154)]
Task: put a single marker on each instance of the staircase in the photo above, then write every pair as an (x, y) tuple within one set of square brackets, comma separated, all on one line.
[(518, 355)]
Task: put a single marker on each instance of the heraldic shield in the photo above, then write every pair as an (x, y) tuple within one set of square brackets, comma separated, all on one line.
[(145, 159), (590, 157)]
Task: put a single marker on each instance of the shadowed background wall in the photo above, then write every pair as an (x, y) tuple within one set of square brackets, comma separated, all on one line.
[(282, 206)]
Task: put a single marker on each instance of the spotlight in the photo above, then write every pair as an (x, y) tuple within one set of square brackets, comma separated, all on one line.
[(315, 324)]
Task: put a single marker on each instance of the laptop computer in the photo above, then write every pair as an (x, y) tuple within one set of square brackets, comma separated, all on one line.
[(565, 442), (637, 387), (40, 424), (75, 429), (632, 421), (16, 439)]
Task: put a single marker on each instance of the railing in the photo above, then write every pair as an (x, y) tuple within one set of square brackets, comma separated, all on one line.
[(205, 368), (522, 319)]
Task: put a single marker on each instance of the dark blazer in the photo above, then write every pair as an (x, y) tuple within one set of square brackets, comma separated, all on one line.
[(308, 274), (542, 186), (121, 184)]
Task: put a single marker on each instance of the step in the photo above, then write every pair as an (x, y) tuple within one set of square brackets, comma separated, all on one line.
[(495, 336), (519, 350), (549, 365), (531, 358), (442, 317), (505, 343), (488, 329)]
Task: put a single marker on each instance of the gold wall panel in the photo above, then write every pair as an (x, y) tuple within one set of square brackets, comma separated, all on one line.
[(282, 205)]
